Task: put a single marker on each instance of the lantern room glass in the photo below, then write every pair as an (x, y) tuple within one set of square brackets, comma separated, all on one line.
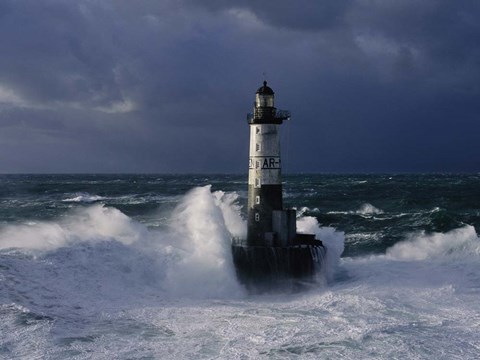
[(264, 100)]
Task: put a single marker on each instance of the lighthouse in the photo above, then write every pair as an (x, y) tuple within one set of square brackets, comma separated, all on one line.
[(273, 248), (264, 169)]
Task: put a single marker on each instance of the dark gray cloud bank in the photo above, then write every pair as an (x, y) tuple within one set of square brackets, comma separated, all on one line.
[(164, 86)]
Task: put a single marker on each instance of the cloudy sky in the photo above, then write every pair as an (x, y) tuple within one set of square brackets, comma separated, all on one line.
[(164, 85)]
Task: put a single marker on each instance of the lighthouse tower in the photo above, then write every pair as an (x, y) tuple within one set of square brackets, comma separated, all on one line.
[(264, 173), (272, 249)]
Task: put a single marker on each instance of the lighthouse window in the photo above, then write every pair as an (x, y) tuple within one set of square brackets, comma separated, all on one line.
[(257, 199), (257, 217), (257, 182), (257, 164), (269, 101), (258, 146), (257, 129)]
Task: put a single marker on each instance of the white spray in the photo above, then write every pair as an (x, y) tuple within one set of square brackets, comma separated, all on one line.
[(204, 265)]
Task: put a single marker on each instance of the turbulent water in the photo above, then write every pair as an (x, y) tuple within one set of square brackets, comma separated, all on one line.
[(135, 266)]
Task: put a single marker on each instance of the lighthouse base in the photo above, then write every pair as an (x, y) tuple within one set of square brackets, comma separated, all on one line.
[(262, 265)]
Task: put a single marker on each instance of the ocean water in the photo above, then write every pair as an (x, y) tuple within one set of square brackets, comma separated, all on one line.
[(139, 267)]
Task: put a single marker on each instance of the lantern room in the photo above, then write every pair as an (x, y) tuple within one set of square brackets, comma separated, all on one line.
[(264, 96)]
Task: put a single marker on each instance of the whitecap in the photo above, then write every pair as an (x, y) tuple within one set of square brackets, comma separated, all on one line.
[(84, 198), (368, 209)]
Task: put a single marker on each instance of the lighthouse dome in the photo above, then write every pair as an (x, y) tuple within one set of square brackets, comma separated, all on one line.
[(265, 90)]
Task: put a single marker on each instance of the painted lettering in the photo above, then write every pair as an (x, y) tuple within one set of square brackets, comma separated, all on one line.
[(264, 163)]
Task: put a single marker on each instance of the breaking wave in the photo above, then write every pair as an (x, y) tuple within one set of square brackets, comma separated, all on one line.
[(461, 242), (106, 249), (200, 229), (97, 252)]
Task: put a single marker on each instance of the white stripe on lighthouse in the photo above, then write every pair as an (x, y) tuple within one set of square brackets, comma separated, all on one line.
[(264, 161)]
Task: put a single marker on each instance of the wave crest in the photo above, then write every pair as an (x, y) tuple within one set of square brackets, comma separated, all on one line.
[(95, 223), (420, 246)]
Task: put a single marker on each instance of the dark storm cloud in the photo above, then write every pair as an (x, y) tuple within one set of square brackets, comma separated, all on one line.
[(165, 85), (301, 14)]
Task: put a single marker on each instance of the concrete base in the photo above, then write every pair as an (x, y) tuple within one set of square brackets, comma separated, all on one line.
[(268, 265)]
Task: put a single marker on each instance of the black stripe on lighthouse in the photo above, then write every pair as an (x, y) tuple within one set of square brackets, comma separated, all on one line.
[(260, 215)]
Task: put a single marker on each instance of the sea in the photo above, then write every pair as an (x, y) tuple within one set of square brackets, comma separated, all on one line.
[(140, 267)]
